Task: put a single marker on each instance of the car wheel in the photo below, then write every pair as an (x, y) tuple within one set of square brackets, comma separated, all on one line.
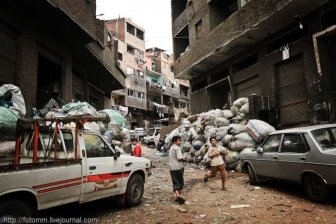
[(252, 176), (14, 209), (315, 188), (135, 190)]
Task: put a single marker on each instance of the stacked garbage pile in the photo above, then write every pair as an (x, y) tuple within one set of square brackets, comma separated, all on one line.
[(114, 131), (231, 127), (12, 107)]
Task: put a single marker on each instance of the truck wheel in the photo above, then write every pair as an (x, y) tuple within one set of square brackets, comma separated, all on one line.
[(252, 176), (135, 190), (315, 188), (14, 208)]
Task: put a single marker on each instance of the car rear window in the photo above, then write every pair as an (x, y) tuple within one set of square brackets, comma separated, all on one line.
[(325, 137)]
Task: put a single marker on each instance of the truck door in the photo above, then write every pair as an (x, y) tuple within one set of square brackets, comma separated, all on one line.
[(103, 173)]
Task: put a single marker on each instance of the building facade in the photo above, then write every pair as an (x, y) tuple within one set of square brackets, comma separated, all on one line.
[(278, 53), (151, 94), (57, 49)]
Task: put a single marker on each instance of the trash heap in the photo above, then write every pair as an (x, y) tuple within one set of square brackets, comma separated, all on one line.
[(231, 127)]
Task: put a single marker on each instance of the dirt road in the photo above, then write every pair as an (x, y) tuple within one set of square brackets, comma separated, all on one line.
[(206, 203), (273, 202)]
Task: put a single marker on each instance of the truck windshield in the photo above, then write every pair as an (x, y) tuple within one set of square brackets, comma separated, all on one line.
[(325, 137)]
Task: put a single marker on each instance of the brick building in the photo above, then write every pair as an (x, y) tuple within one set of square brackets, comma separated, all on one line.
[(151, 91), (57, 48), (281, 51)]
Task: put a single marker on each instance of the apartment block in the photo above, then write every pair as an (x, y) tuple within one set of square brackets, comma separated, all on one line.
[(279, 53), (151, 92)]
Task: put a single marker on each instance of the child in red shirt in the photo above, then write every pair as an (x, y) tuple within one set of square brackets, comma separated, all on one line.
[(136, 147)]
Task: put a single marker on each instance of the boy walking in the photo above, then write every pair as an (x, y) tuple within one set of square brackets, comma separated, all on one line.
[(215, 153), (176, 168)]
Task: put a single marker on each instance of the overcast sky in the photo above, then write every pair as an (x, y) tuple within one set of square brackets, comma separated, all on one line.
[(152, 15)]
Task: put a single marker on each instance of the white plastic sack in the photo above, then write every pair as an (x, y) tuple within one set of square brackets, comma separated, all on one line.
[(244, 137), (227, 114), (227, 139), (240, 102), (231, 158), (235, 129), (221, 121), (259, 129), (244, 109), (7, 147), (19, 106), (240, 145)]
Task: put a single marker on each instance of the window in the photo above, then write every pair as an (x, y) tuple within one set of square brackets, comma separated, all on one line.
[(325, 137), (96, 147), (130, 49), (120, 56), (293, 143), (129, 71), (130, 92), (130, 29), (140, 34), (272, 143)]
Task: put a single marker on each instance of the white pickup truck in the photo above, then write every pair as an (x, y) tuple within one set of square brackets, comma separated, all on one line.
[(55, 164)]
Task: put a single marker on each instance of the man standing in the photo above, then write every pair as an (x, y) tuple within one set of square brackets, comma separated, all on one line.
[(215, 153), (176, 168)]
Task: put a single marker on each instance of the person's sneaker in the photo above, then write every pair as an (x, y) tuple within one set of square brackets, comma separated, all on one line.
[(180, 200), (206, 178), (224, 189)]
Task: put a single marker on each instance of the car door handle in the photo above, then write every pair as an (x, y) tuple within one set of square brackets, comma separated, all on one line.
[(275, 157), (128, 164), (303, 158), (92, 167)]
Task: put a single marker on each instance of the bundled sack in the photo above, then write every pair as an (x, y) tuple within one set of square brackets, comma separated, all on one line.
[(7, 148), (197, 145), (259, 129), (235, 129), (231, 158), (227, 114), (11, 98), (240, 102), (116, 117), (7, 124), (221, 121), (240, 145), (244, 109), (79, 108)]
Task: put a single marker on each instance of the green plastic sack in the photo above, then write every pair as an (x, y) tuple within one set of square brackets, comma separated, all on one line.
[(7, 124), (115, 117)]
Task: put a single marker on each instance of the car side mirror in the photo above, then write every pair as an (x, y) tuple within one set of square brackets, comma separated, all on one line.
[(116, 155), (260, 150)]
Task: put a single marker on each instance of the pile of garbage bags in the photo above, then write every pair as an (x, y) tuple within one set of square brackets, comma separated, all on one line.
[(12, 107), (231, 127)]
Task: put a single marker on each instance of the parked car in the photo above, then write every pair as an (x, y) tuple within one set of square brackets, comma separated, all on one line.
[(152, 133), (140, 132), (304, 155)]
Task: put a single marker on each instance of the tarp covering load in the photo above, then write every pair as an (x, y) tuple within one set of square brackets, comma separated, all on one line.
[(12, 107), (231, 128), (79, 108)]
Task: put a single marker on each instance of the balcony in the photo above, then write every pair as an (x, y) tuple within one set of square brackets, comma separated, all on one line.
[(153, 88)]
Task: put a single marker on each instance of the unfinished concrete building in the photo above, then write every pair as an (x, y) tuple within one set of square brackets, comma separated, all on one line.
[(57, 49), (150, 92), (280, 53)]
